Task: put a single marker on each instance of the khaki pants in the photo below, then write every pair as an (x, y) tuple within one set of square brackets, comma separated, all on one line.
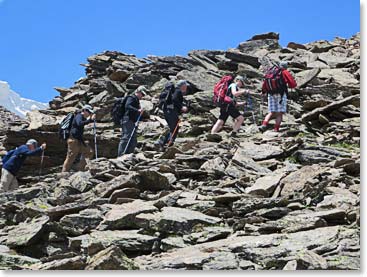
[(76, 147), (8, 181)]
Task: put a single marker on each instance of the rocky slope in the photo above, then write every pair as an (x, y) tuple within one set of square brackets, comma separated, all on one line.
[(287, 200)]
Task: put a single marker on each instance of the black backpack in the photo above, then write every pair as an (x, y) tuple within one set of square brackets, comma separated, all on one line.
[(118, 110), (165, 98), (65, 126)]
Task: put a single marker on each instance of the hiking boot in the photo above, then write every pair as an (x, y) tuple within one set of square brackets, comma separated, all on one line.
[(263, 128)]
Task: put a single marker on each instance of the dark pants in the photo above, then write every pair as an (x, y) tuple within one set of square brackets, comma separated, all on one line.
[(171, 117), (127, 130)]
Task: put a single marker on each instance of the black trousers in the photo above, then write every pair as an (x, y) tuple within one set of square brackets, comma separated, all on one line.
[(127, 130), (172, 118)]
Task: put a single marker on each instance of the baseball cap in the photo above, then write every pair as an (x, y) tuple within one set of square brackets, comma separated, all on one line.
[(32, 142), (88, 108), (181, 83), (240, 78), (142, 89), (283, 64)]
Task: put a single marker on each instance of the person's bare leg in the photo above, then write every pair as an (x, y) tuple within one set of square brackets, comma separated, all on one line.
[(267, 118), (238, 122), (278, 121), (217, 126)]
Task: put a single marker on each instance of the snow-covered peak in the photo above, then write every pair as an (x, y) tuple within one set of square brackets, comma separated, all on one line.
[(15, 103)]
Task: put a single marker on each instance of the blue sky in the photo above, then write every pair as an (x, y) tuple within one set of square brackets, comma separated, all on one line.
[(44, 41)]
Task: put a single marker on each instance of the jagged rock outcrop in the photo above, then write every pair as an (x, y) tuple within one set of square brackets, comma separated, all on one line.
[(287, 200)]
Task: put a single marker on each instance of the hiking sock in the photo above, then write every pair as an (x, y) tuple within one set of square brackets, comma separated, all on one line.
[(276, 127)]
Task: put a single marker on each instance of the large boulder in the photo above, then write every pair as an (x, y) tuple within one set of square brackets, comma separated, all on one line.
[(111, 258), (123, 216), (200, 80), (26, 234), (266, 185), (153, 180), (258, 152), (128, 240), (296, 181), (82, 222), (175, 220)]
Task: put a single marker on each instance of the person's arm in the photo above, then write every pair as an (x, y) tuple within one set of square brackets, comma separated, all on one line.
[(177, 100), (289, 79), (129, 105), (239, 92), (80, 122), (35, 152)]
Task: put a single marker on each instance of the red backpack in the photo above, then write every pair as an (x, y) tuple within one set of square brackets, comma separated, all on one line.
[(274, 81), (221, 89)]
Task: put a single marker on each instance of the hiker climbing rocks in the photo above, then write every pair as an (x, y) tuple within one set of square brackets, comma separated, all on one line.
[(172, 104), (13, 161), (276, 83), (228, 105), (76, 143), (131, 113)]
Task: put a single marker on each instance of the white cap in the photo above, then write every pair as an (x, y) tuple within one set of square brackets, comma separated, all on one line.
[(32, 142)]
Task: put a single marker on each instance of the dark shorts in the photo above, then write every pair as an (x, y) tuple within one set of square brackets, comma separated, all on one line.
[(228, 110)]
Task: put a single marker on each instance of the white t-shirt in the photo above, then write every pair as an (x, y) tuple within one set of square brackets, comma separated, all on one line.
[(230, 90)]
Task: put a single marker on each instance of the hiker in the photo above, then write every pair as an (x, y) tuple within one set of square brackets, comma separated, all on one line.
[(76, 143), (230, 109), (277, 98), (13, 161), (172, 109), (132, 110)]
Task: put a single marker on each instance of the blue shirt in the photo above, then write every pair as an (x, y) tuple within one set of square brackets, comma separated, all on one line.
[(16, 161)]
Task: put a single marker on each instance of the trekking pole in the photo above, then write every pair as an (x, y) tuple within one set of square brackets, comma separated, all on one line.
[(95, 139), (42, 157), (173, 134), (249, 100), (261, 105), (136, 126)]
